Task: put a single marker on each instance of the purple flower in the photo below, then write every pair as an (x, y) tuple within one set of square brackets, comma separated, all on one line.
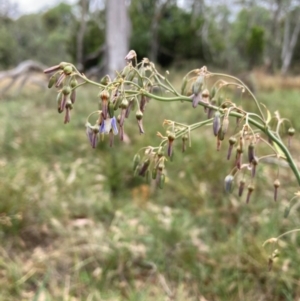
[(107, 125)]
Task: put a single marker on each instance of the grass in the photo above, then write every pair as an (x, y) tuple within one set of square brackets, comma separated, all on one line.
[(76, 224)]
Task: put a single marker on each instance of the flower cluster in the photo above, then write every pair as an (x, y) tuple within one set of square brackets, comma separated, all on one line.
[(132, 89)]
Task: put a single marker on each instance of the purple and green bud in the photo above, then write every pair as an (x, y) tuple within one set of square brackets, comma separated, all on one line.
[(92, 134)]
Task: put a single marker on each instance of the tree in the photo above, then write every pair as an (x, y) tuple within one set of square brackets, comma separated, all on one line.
[(117, 35)]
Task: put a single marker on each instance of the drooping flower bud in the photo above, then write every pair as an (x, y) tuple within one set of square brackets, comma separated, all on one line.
[(59, 101), (232, 142), (60, 80), (66, 90), (130, 55), (123, 106), (241, 187), (104, 96), (291, 133), (196, 98), (68, 107), (251, 153), (73, 84), (171, 138), (139, 118), (254, 163), (276, 186), (238, 158), (250, 190), (185, 138), (144, 168), (216, 123)]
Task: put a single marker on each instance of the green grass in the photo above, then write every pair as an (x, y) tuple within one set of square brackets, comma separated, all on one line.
[(76, 224)]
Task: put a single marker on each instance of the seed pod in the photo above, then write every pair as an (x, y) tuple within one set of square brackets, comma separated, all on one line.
[(232, 142), (216, 123), (276, 186), (250, 190), (228, 182), (241, 187)]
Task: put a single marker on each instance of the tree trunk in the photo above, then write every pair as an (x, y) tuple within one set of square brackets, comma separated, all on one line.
[(84, 4), (117, 36), (289, 44)]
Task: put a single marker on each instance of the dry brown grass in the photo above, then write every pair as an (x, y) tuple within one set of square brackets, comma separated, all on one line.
[(270, 82)]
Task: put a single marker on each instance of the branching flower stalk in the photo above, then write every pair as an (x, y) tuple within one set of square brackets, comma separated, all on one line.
[(134, 86)]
